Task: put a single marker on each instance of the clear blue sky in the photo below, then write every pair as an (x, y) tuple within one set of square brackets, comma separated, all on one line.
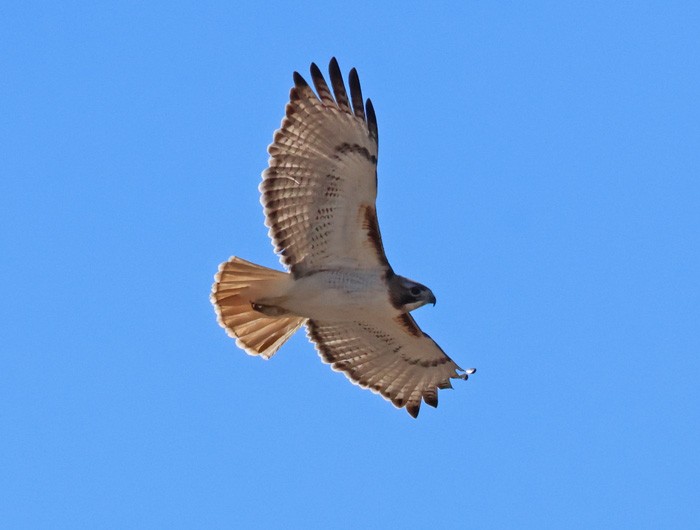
[(539, 169)]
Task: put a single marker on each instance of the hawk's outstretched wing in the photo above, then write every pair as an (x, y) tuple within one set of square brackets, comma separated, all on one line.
[(390, 356), (320, 189)]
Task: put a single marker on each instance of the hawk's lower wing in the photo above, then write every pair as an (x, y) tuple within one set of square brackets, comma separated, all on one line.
[(391, 357)]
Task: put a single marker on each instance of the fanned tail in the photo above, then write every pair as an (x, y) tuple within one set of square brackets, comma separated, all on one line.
[(238, 284)]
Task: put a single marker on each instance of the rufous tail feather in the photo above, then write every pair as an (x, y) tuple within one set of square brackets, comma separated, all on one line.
[(237, 285)]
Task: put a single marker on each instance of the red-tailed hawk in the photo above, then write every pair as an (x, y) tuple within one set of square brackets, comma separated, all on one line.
[(319, 195)]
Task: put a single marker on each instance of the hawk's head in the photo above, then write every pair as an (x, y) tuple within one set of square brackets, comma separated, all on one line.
[(408, 295)]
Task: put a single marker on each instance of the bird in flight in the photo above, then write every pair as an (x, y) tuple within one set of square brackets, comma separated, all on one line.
[(319, 194)]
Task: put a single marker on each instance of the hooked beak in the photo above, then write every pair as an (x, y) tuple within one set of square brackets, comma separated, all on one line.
[(432, 299)]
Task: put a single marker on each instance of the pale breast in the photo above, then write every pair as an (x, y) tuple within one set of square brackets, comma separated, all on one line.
[(343, 294)]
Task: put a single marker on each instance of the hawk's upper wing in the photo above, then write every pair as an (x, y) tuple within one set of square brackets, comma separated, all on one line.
[(320, 189), (390, 356)]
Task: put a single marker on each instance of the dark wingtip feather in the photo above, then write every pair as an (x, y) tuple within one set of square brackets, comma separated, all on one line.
[(333, 65), (356, 94), (320, 83), (372, 120), (341, 96), (413, 409), (445, 385), (431, 399), (299, 81)]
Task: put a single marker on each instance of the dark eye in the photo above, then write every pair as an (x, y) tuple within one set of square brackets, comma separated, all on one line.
[(415, 291)]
